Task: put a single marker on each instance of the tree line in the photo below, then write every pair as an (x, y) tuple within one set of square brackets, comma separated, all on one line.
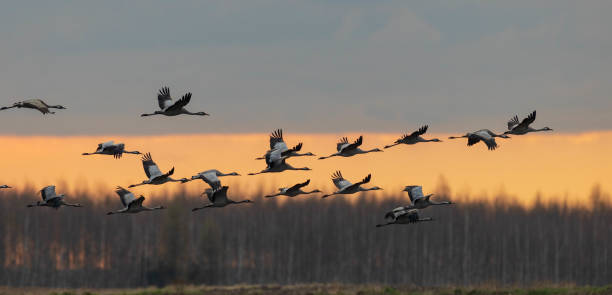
[(304, 240)]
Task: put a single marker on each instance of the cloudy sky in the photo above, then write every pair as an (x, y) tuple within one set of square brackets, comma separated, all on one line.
[(306, 66)]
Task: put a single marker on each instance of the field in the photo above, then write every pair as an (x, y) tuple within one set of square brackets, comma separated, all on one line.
[(315, 289)]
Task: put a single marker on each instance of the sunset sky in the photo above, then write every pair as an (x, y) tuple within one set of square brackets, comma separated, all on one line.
[(555, 165), (320, 70)]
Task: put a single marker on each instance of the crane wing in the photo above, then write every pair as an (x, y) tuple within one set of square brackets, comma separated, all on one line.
[(220, 195), (396, 212), (276, 140), (274, 157), (125, 196), (299, 185), (527, 121), (163, 98), (513, 122), (420, 131), (104, 145), (491, 143), (473, 139), (339, 181), (342, 143), (211, 179), (150, 167), (415, 192), (209, 194), (110, 147), (414, 134), (287, 152), (48, 192), (118, 150), (353, 145), (211, 171), (137, 202), (363, 181), (37, 103), (180, 103), (412, 215)]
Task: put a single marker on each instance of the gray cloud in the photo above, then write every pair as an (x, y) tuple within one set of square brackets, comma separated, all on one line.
[(308, 66)]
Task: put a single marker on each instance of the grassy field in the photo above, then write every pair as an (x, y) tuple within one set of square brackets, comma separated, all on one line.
[(312, 289)]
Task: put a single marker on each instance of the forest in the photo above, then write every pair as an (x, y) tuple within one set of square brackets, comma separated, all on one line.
[(304, 240)]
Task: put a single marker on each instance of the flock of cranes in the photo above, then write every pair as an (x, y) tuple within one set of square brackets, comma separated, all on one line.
[(276, 161)]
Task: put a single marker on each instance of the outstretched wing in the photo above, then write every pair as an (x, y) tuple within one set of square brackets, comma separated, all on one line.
[(527, 121), (137, 202), (363, 181), (276, 140), (393, 214), (37, 104), (491, 144), (163, 98), (296, 148), (150, 167), (105, 145), (353, 145), (486, 135), (180, 103), (118, 150), (210, 177), (473, 139), (219, 195), (414, 134), (414, 192), (110, 147), (420, 132), (126, 196), (48, 192), (412, 215), (342, 143), (513, 122), (339, 181), (299, 185), (209, 194)]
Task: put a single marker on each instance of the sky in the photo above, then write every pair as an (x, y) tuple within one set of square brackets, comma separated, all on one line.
[(306, 66), (555, 166)]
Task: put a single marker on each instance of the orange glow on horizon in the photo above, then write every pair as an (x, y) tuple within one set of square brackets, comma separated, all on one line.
[(557, 165)]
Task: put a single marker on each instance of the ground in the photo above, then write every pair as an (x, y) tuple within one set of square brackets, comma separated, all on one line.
[(313, 289)]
